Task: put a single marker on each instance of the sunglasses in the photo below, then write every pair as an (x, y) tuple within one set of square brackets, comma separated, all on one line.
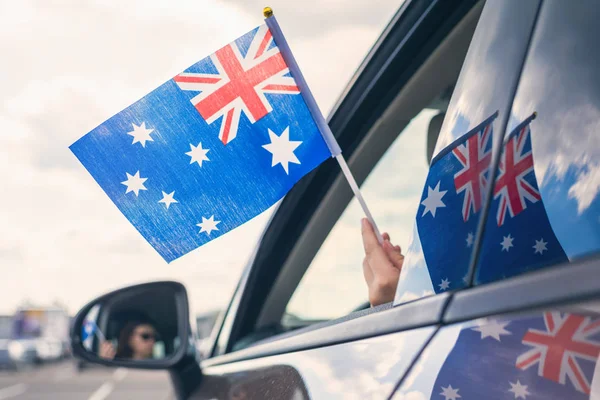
[(147, 336)]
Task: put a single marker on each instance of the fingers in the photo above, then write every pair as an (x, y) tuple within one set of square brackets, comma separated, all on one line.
[(386, 236), (107, 350), (367, 272), (394, 254), (370, 241)]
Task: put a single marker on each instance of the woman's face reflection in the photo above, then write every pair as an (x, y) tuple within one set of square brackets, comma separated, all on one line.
[(142, 341)]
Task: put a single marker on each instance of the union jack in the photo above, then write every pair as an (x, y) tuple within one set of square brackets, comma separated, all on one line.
[(559, 348), (240, 83), (511, 186), (475, 155)]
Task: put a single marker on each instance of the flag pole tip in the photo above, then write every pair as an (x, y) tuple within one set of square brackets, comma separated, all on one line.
[(267, 12)]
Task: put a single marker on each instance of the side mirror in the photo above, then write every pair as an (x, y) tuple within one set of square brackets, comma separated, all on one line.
[(142, 326)]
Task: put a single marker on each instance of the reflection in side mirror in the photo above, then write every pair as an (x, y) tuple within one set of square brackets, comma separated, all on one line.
[(140, 326)]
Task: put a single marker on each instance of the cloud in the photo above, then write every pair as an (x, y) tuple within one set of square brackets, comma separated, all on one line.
[(586, 188), (414, 395), (300, 19), (74, 64)]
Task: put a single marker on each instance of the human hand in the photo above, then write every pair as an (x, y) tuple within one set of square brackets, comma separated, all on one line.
[(381, 266), (107, 350)]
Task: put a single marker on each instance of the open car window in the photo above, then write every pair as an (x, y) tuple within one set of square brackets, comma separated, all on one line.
[(334, 285)]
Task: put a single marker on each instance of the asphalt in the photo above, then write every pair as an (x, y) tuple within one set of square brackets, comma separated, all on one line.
[(63, 381)]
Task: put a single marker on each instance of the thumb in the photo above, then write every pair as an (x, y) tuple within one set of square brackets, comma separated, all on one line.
[(370, 241)]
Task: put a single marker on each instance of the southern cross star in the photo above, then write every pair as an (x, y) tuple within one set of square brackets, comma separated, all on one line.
[(141, 134), (507, 242), (208, 225), (168, 199), (134, 183), (493, 329), (540, 246)]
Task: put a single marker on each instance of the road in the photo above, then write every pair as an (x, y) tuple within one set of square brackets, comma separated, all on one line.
[(63, 381)]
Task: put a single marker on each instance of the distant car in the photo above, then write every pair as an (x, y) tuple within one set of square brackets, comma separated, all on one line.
[(455, 331), (39, 335), (22, 353), (15, 354)]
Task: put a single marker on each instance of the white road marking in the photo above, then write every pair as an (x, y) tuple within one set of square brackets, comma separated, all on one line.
[(12, 391), (119, 374), (103, 391)]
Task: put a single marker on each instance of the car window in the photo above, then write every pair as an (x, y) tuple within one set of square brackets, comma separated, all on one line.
[(548, 354), (334, 284), (546, 208), (445, 227)]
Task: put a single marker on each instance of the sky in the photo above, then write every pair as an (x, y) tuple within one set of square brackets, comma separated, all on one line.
[(68, 65)]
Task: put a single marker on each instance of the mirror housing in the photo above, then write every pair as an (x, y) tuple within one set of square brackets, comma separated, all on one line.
[(161, 308)]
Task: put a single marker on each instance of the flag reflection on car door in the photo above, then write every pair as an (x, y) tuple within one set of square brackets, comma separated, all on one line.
[(518, 235)]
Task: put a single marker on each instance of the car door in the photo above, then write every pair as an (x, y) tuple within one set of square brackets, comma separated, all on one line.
[(272, 345), (530, 326)]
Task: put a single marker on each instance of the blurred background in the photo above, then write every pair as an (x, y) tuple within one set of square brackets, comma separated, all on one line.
[(68, 65)]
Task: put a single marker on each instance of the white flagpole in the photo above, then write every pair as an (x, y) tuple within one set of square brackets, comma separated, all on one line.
[(332, 143)]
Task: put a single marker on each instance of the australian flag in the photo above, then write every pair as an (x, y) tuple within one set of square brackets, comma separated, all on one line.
[(87, 334), (209, 149), (551, 355), (451, 203), (518, 235)]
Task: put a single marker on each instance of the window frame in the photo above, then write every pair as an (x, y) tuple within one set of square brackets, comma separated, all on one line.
[(411, 37)]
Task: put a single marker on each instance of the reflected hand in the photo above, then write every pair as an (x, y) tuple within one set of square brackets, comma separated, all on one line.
[(381, 266), (107, 350)]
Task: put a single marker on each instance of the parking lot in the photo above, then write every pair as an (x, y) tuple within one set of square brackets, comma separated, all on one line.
[(63, 381)]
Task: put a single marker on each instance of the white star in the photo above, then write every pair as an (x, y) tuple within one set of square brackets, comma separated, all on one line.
[(470, 239), (519, 390), (507, 242), (493, 329), (282, 149), (208, 225), (141, 134), (198, 154), (168, 199), (450, 393), (134, 183), (433, 200), (445, 284), (540, 246)]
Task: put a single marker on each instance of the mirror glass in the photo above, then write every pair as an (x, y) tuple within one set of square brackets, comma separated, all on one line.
[(139, 323)]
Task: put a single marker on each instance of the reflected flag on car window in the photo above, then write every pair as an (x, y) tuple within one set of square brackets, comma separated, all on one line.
[(552, 355), (518, 235), (450, 206), (209, 149)]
